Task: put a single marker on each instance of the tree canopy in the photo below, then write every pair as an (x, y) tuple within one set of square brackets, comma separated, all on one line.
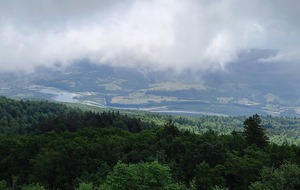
[(73, 149)]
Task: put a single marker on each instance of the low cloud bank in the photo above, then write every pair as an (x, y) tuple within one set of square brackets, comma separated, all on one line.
[(155, 35)]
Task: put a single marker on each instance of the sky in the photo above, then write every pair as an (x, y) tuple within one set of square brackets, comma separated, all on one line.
[(145, 34)]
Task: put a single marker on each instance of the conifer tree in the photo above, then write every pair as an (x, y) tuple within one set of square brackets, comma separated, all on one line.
[(254, 131)]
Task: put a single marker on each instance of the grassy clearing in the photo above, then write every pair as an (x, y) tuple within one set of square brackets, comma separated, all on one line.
[(174, 86), (140, 98)]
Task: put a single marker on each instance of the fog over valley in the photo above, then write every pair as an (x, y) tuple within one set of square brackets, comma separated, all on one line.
[(242, 54), (149, 94)]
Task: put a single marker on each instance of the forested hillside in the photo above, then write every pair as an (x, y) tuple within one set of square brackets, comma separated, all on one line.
[(34, 117), (281, 130), (45, 145)]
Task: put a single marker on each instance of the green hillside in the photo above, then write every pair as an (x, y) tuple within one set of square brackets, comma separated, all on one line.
[(279, 129), (45, 145)]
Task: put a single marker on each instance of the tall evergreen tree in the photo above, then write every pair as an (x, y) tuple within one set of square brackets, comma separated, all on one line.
[(254, 131)]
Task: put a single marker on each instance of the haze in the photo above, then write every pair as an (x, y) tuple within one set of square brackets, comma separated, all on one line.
[(157, 34)]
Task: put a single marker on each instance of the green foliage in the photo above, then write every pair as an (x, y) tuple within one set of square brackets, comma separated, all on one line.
[(86, 186), (219, 188), (33, 187), (207, 177), (3, 185), (254, 131), (280, 130), (62, 148), (170, 129), (286, 177), (55, 160), (23, 117), (241, 169), (140, 176), (33, 117)]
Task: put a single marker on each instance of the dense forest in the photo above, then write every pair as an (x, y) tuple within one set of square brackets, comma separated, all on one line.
[(281, 130), (45, 145)]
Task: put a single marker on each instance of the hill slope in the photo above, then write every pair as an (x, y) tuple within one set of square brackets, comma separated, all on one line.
[(56, 147)]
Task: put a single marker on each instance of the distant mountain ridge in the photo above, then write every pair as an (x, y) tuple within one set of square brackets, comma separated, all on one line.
[(246, 86)]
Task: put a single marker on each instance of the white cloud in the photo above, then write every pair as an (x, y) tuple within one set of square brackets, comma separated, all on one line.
[(156, 34), (284, 56)]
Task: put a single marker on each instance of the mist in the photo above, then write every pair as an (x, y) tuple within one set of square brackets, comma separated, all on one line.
[(152, 35)]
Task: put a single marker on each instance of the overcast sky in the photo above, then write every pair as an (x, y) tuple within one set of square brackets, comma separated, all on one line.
[(179, 34)]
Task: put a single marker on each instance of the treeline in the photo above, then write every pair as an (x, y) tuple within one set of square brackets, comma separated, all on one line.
[(36, 117), (112, 158), (281, 130), (100, 154)]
